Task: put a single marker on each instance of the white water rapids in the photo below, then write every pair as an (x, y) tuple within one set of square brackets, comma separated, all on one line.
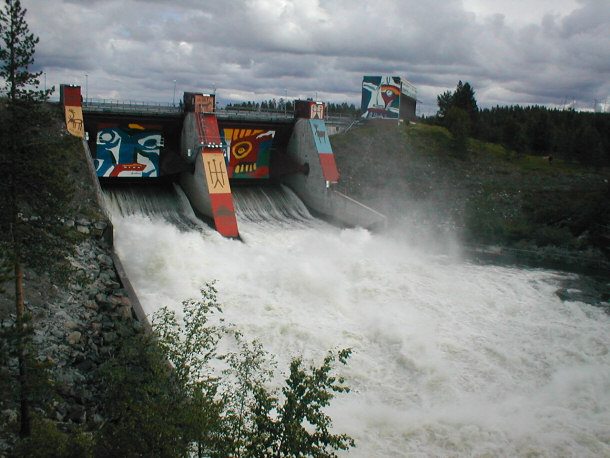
[(449, 358)]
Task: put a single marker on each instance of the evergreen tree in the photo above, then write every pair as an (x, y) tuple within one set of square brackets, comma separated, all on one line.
[(33, 186), (444, 101), (463, 98), (458, 124)]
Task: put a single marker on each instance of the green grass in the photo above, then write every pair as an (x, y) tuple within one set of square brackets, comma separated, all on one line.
[(493, 194)]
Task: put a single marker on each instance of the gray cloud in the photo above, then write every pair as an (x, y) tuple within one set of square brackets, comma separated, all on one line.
[(257, 49)]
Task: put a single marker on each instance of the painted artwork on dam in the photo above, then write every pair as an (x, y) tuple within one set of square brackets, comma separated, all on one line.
[(325, 150), (249, 152), (381, 96), (127, 151)]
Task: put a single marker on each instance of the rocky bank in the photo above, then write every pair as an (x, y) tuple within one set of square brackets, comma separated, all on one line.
[(77, 326)]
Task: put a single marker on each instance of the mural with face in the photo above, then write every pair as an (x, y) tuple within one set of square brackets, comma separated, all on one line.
[(128, 151), (249, 152), (381, 96)]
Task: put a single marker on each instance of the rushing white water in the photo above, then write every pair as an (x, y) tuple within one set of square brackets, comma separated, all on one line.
[(449, 358)]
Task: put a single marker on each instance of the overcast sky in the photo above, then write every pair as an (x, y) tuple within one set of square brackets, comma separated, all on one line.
[(549, 52)]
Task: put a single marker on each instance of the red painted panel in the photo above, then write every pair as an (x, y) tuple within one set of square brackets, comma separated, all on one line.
[(329, 166), (309, 110), (208, 129), (224, 214), (72, 96)]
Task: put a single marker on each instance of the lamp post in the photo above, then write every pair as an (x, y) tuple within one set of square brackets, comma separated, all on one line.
[(45, 81), (86, 87), (174, 98), (285, 100)]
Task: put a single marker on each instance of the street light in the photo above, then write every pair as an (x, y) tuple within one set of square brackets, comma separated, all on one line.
[(285, 100), (174, 99), (86, 88)]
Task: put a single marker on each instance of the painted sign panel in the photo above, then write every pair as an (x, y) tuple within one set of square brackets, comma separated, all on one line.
[(215, 172), (309, 109), (325, 151), (130, 150), (71, 98), (207, 126), (316, 111), (204, 103), (381, 96), (74, 121), (249, 152), (224, 214), (320, 136)]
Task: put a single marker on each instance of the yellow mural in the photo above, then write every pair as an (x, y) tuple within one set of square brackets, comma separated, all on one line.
[(216, 173), (74, 121)]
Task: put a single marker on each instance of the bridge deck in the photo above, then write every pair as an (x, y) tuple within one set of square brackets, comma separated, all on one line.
[(160, 109)]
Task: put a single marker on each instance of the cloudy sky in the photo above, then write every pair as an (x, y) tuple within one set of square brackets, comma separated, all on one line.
[(550, 52)]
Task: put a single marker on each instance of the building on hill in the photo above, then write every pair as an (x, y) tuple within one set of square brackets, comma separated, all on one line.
[(388, 97)]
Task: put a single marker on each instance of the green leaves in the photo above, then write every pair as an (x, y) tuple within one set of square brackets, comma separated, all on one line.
[(463, 99), (307, 392), (231, 411), (17, 54)]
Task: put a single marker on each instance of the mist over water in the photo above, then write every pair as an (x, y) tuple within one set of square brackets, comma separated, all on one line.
[(449, 358)]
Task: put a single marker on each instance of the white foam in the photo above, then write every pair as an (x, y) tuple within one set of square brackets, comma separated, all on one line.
[(449, 358)]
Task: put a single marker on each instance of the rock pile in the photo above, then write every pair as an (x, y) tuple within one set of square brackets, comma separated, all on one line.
[(78, 327)]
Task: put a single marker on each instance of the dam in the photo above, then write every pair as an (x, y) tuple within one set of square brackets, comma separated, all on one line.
[(209, 152)]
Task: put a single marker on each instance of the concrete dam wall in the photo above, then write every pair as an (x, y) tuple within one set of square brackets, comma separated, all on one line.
[(208, 152)]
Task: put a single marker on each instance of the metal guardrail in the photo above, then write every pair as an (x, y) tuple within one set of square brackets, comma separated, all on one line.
[(231, 114), (128, 106), (152, 108)]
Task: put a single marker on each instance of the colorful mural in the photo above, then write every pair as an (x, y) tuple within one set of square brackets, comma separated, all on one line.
[(325, 151), (71, 98), (130, 150), (249, 152), (74, 121), (381, 96)]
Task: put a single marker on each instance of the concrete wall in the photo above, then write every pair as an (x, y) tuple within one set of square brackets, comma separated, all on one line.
[(193, 181), (316, 193)]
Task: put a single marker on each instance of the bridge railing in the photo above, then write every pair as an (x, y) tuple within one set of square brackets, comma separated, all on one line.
[(233, 113), (130, 106), (237, 114)]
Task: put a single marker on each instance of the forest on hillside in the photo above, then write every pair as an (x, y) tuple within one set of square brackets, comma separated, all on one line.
[(568, 134), (332, 109)]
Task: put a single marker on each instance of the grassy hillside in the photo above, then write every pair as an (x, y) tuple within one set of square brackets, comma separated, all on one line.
[(484, 196)]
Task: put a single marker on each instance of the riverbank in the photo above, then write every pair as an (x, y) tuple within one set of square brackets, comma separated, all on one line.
[(491, 200)]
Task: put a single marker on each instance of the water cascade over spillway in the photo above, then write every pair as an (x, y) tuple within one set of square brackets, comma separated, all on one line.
[(449, 358)]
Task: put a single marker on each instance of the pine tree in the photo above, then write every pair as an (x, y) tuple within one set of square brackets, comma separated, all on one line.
[(33, 183), (17, 54), (462, 98)]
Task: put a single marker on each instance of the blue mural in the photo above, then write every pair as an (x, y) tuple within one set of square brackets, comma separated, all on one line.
[(128, 152), (320, 136), (381, 96)]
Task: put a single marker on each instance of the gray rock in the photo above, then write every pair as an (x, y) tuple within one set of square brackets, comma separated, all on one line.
[(74, 338), (105, 260), (91, 305), (110, 337), (103, 300), (124, 312)]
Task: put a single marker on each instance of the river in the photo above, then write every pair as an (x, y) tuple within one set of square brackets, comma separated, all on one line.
[(450, 358)]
